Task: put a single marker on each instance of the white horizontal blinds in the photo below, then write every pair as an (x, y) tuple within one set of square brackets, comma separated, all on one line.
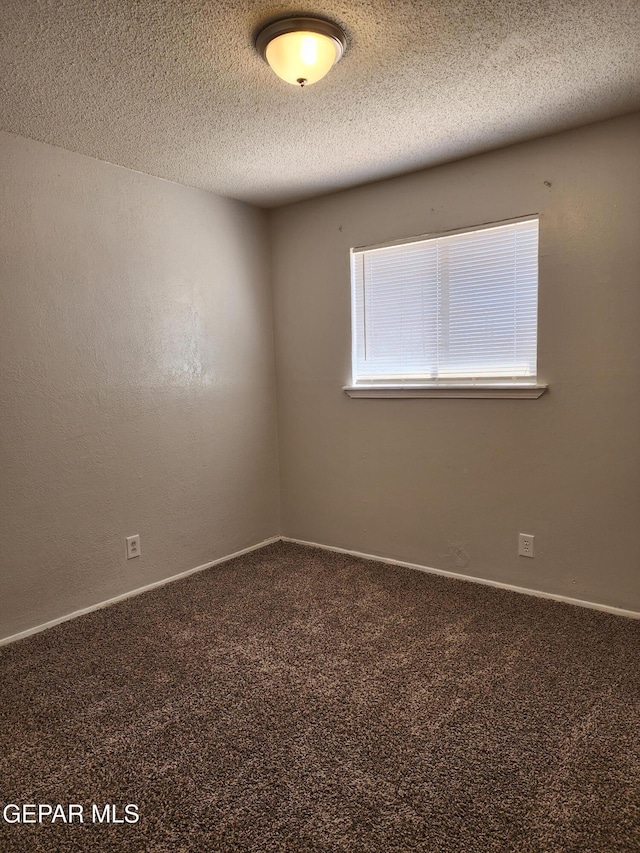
[(491, 278), (398, 289), (457, 307)]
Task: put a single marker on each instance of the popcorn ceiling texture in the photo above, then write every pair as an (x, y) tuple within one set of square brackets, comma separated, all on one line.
[(177, 90)]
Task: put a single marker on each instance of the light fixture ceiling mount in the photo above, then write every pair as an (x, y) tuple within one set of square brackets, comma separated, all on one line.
[(301, 50)]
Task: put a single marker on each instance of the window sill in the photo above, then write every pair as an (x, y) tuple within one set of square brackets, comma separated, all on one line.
[(483, 392)]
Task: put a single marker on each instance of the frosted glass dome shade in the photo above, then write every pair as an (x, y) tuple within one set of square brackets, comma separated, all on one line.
[(301, 50), (302, 58)]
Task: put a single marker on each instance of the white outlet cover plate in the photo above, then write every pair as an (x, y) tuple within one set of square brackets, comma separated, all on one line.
[(133, 546), (525, 545)]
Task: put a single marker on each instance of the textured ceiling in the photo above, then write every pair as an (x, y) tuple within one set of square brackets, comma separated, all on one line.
[(175, 88)]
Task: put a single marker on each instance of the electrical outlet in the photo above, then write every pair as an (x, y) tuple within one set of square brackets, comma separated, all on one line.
[(525, 545), (133, 546)]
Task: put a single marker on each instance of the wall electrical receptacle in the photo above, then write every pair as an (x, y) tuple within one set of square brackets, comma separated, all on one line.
[(525, 545), (133, 546)]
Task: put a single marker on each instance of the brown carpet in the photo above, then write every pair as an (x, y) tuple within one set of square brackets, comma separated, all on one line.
[(297, 700)]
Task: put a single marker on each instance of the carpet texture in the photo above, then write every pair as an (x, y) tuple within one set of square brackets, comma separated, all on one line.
[(298, 700)]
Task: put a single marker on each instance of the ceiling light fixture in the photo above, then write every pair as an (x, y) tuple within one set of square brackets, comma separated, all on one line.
[(301, 50)]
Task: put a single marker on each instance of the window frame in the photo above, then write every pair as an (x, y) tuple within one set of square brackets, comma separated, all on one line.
[(454, 387)]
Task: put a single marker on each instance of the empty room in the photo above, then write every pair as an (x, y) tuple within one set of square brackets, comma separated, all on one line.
[(319, 426)]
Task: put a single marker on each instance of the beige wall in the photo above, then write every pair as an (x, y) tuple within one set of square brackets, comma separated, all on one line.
[(136, 380), (450, 483)]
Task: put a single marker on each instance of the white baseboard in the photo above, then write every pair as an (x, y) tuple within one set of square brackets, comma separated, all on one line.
[(605, 608), (36, 630), (592, 605)]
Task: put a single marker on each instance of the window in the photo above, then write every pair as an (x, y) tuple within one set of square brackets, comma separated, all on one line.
[(457, 311)]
